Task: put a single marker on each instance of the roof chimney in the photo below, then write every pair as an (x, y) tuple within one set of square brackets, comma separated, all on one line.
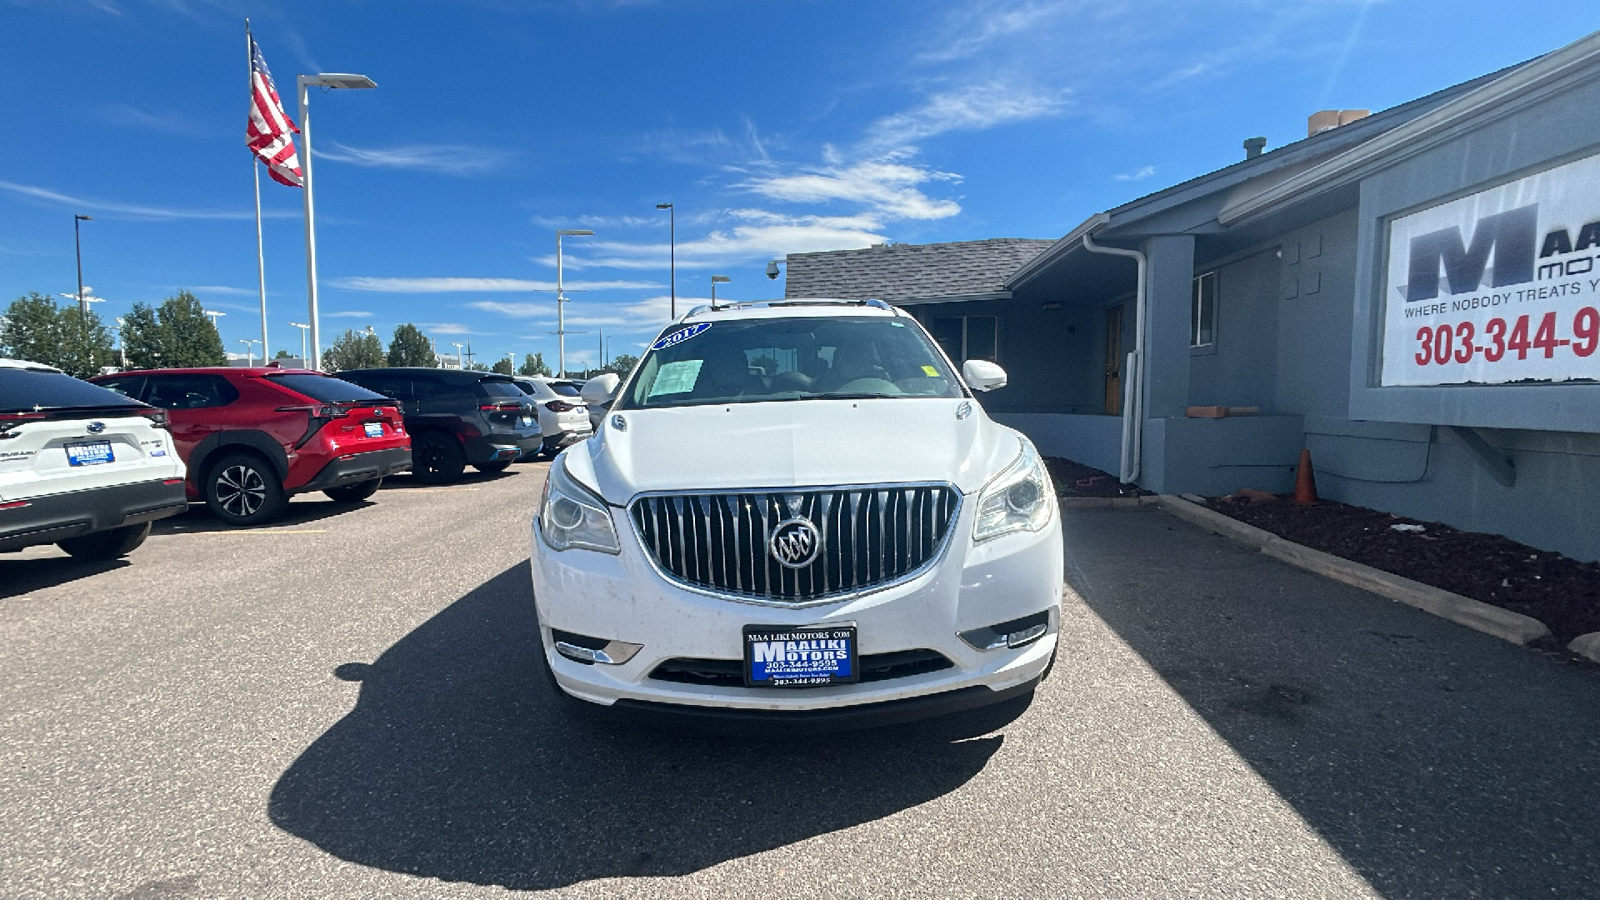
[(1329, 119), (1254, 146)]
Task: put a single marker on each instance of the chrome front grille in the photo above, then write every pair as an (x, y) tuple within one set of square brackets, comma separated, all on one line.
[(869, 536)]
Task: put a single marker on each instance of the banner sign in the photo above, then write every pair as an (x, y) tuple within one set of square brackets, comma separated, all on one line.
[(1499, 286)]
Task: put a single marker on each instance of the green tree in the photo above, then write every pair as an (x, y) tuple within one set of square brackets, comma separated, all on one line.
[(533, 365), (477, 367), (186, 336), (284, 354), (411, 347), (502, 366), (353, 350), (85, 343), (32, 330), (142, 338), (622, 365)]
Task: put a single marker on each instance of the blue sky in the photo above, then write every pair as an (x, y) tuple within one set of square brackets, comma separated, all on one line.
[(774, 127)]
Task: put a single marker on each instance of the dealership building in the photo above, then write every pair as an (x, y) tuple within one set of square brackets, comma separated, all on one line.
[(1412, 295)]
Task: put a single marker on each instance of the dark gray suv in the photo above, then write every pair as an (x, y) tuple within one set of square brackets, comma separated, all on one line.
[(458, 418)]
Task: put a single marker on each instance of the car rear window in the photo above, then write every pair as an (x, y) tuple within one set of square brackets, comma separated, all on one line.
[(565, 388), (25, 390), (500, 389), (325, 388)]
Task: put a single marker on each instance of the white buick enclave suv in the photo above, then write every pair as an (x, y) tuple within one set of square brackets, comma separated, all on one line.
[(796, 510)]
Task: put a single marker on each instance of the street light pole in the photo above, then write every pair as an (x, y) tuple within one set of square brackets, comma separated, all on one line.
[(561, 299), (214, 315), (77, 241), (459, 364), (327, 80), (672, 239), (716, 280), (249, 352), (303, 328)]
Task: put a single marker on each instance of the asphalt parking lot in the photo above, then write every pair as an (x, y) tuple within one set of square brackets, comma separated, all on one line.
[(345, 704)]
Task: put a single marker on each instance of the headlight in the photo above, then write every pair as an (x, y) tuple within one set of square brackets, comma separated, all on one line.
[(1018, 499), (571, 516)]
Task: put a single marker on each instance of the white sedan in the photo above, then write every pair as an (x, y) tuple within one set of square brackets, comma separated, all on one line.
[(798, 510)]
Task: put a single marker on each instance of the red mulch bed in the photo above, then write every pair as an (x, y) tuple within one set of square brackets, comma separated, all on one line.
[(1074, 479), (1562, 593)]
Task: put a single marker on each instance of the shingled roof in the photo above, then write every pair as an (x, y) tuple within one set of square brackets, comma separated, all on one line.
[(911, 273)]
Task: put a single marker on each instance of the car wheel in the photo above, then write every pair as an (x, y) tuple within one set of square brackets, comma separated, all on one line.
[(242, 489), (354, 493), (108, 544), (437, 457), (499, 465)]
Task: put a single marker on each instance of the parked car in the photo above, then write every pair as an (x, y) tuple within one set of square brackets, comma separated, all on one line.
[(563, 419), (254, 436), (458, 418), (80, 466), (861, 545)]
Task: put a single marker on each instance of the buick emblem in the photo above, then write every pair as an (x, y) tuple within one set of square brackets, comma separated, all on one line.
[(795, 543), (96, 427)]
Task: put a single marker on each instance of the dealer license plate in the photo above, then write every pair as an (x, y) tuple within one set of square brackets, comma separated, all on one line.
[(374, 429), (784, 656), (527, 420), (93, 453)]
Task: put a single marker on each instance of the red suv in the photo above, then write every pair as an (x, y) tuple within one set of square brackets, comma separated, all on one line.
[(252, 437)]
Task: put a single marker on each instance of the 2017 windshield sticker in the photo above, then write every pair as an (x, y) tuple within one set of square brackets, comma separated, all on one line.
[(681, 335)]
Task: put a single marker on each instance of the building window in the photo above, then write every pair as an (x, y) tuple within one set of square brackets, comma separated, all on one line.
[(1203, 311), (967, 337)]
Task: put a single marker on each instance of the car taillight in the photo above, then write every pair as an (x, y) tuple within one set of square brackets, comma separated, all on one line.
[(9, 421), (559, 406), (331, 411), (507, 406)]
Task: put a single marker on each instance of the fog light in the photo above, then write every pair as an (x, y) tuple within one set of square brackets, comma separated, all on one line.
[(1013, 634), (591, 650)]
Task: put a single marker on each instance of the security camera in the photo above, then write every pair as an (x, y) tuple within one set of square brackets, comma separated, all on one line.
[(772, 270)]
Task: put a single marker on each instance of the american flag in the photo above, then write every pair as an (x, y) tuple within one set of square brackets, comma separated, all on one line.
[(271, 132)]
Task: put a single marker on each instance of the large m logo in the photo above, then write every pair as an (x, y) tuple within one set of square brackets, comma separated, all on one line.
[(1511, 235)]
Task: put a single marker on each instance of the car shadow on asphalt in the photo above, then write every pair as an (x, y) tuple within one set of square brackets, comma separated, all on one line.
[(20, 576), (460, 763), (471, 478), (1439, 762), (299, 512)]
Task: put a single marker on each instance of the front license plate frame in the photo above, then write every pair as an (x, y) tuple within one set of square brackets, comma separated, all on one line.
[(806, 658), (90, 453)]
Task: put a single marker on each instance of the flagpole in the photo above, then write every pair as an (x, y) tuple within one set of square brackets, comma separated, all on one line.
[(255, 171)]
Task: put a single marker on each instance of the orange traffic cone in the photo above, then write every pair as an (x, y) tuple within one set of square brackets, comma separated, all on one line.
[(1305, 483)]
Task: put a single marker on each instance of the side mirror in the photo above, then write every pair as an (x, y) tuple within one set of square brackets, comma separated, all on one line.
[(982, 375), (601, 389)]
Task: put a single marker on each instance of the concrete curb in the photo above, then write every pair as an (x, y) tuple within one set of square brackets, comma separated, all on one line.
[(1587, 646), (1100, 502), (1475, 614)]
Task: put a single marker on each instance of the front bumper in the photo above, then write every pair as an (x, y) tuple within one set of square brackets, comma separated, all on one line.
[(358, 467), (56, 517), (972, 587)]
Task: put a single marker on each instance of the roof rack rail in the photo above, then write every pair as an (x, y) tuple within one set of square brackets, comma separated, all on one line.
[(796, 301)]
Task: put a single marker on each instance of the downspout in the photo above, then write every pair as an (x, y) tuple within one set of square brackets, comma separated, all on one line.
[(1133, 389)]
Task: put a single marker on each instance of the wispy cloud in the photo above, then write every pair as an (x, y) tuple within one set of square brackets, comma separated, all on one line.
[(1140, 175), (971, 107), (968, 31), (447, 328), (201, 289), (140, 212), (889, 187), (165, 122), (745, 234), (476, 285), (447, 159), (636, 317), (350, 314)]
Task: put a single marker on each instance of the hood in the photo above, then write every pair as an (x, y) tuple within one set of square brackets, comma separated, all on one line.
[(793, 444)]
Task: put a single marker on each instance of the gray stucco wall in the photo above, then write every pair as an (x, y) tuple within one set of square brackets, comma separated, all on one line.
[(1240, 368)]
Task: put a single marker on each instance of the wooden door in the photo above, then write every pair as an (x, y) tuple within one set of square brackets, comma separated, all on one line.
[(1114, 361)]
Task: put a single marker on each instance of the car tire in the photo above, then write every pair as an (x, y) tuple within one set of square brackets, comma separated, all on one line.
[(490, 468), (354, 493), (109, 544), (243, 489), (437, 457)]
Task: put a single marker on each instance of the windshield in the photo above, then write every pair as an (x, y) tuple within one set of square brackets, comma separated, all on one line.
[(801, 358)]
